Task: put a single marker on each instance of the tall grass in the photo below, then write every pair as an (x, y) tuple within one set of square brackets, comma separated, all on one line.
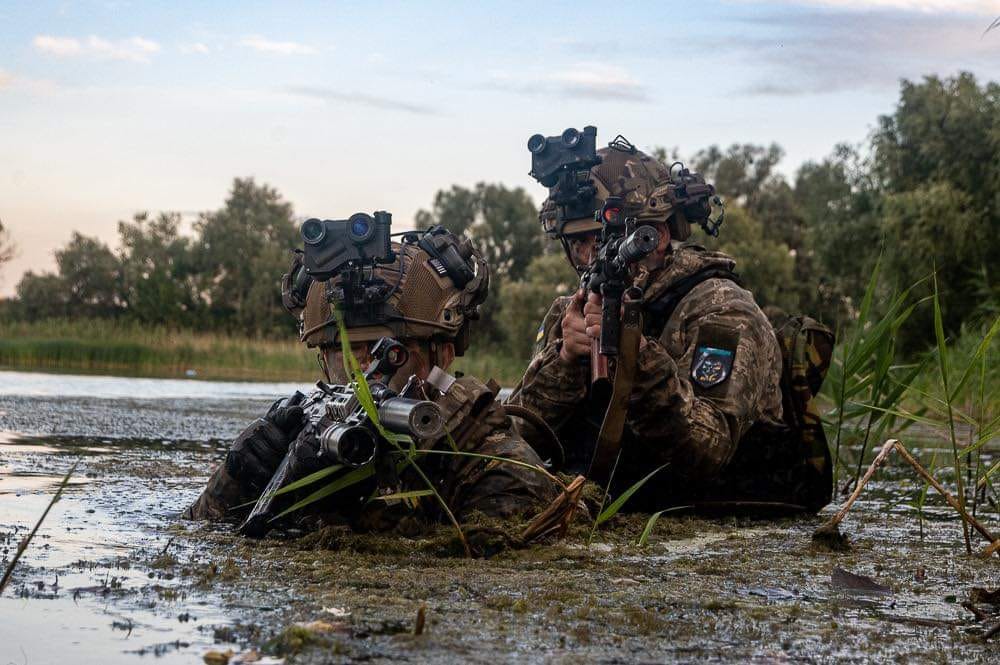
[(866, 383), (96, 345), (872, 395)]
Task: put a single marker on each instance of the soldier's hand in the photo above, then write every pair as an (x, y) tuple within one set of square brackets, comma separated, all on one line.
[(258, 450), (592, 318), (576, 343), (592, 315)]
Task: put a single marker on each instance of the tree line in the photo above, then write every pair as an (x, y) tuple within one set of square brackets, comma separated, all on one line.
[(921, 195)]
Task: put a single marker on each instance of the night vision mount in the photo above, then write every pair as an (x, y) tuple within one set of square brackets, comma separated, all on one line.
[(344, 253), (693, 199), (562, 163)]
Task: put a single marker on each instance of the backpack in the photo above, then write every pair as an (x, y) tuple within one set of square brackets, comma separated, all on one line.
[(806, 351)]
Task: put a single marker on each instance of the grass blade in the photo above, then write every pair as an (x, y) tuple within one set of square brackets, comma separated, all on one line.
[(412, 494), (347, 480), (651, 522), (617, 504), (943, 364)]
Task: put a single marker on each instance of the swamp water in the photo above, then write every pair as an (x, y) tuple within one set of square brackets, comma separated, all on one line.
[(114, 577)]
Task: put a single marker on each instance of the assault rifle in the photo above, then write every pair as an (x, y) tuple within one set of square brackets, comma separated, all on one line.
[(620, 247), (346, 435)]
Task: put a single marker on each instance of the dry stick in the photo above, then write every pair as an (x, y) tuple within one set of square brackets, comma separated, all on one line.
[(24, 543), (991, 549), (876, 463), (972, 521), (889, 446)]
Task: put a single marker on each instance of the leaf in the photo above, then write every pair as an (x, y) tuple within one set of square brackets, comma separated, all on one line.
[(980, 350), (846, 581), (507, 460), (651, 522), (298, 484), (413, 494), (348, 479), (617, 504)]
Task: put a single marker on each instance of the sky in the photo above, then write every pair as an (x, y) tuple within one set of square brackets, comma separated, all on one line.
[(112, 108)]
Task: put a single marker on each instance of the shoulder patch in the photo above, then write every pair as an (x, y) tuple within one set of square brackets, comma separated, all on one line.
[(541, 333), (714, 355), (711, 366)]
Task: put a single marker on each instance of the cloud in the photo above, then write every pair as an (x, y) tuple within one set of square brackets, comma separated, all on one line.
[(134, 49), (196, 47), (57, 45), (819, 51), (596, 81), (5, 79), (927, 6), (592, 81), (263, 45), (360, 99)]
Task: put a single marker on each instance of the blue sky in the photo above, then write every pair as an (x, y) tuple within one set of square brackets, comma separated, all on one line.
[(108, 108)]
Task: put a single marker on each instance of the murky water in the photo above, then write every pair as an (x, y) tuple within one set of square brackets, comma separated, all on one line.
[(114, 577), (84, 589)]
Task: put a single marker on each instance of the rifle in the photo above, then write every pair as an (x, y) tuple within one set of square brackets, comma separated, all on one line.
[(620, 247), (345, 433)]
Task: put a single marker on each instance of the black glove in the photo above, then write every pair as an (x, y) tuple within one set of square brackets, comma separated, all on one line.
[(257, 452)]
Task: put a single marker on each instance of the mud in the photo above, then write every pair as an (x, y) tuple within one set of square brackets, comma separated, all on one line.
[(114, 577)]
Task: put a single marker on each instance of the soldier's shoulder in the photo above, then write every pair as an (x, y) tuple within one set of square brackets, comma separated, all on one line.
[(723, 300)]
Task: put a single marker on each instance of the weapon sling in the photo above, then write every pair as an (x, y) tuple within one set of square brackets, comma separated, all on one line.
[(609, 441)]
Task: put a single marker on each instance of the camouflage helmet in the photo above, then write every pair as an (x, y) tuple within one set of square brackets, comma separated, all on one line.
[(422, 297), (642, 181)]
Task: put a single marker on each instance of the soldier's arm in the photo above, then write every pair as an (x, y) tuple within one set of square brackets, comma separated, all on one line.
[(677, 409)]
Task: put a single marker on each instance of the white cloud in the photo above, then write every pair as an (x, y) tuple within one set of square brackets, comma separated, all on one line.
[(600, 81), (967, 6), (197, 47), (134, 49), (57, 45), (5, 79), (259, 43)]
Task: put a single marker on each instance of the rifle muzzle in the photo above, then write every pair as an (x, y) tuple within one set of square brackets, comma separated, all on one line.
[(639, 244), (419, 418)]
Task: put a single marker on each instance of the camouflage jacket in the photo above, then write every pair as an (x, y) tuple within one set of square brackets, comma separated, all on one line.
[(679, 411)]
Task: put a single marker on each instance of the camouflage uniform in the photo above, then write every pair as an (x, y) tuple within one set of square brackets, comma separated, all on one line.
[(722, 440), (474, 420)]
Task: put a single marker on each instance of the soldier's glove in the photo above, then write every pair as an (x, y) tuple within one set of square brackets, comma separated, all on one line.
[(257, 452), (305, 455)]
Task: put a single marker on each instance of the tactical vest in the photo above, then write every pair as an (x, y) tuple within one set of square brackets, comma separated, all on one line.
[(806, 350)]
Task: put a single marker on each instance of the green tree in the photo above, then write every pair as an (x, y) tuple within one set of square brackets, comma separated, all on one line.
[(766, 266), (937, 227), (937, 162), (243, 250), (158, 271), (41, 296), (842, 232), (525, 302), (502, 222), (90, 275)]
